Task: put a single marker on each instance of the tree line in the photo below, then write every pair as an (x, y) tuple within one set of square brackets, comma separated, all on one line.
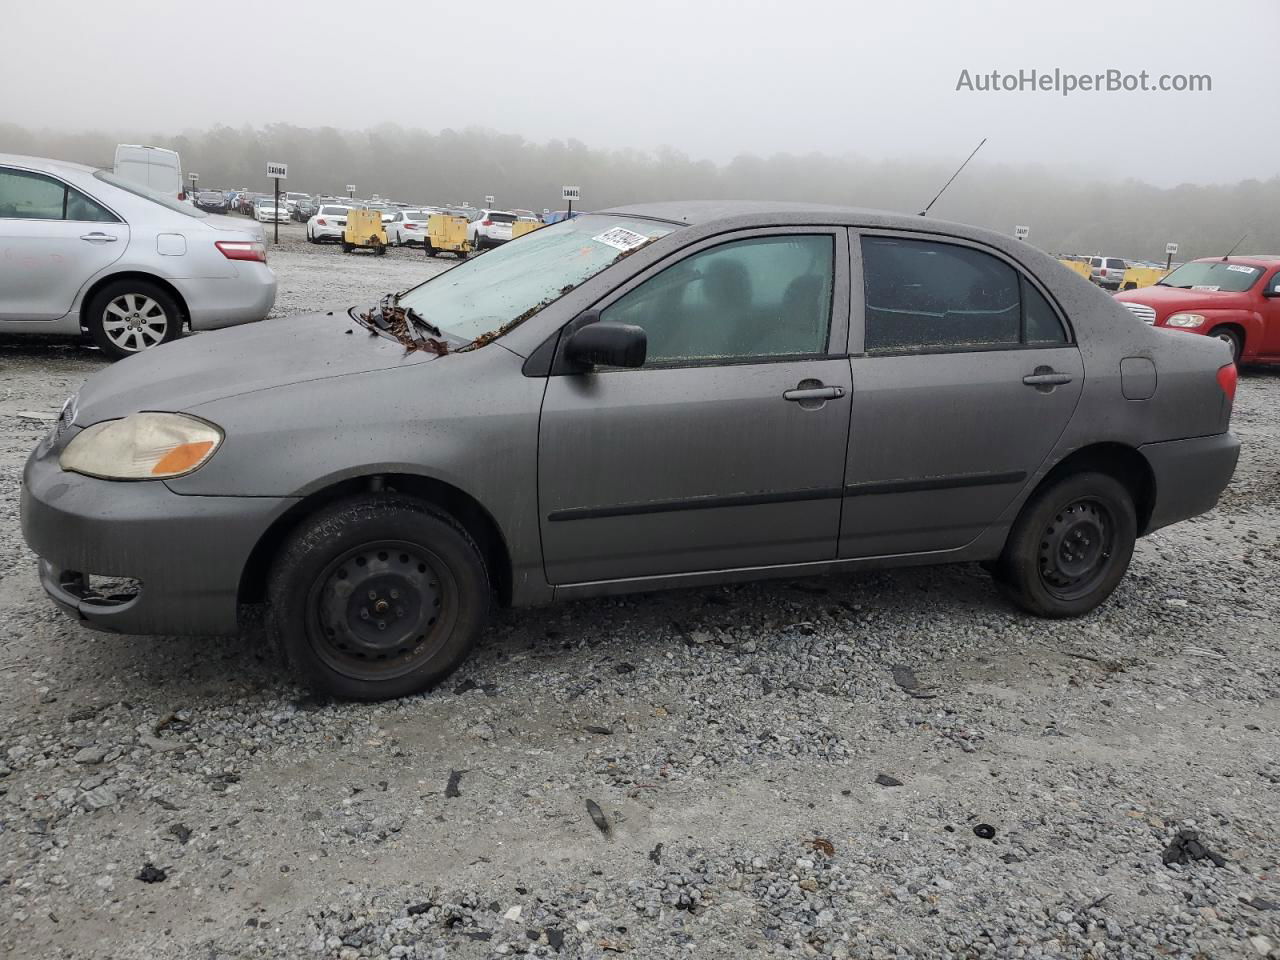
[(1066, 214)]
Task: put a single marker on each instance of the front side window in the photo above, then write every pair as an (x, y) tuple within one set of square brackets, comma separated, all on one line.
[(763, 297), (927, 296)]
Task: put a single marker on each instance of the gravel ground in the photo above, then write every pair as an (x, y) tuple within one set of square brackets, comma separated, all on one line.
[(887, 765)]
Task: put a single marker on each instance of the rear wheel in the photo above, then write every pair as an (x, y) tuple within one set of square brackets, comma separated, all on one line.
[(128, 316), (377, 597), (1070, 546), (1231, 339), (347, 247)]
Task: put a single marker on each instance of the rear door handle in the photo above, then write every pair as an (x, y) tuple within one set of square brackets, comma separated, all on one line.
[(98, 237), (1046, 379), (800, 394)]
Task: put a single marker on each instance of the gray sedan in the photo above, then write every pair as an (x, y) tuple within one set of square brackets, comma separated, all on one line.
[(658, 396), (84, 251)]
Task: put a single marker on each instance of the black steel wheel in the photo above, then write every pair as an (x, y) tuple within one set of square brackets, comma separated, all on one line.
[(377, 597), (1070, 546)]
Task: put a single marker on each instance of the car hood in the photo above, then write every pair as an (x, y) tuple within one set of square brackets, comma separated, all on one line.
[(198, 369), (1175, 298)]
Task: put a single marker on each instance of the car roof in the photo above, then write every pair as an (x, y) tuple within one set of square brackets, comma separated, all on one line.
[(45, 164), (705, 211), (1252, 259)]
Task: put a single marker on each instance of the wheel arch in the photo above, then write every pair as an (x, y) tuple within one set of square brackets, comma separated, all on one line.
[(1117, 460), (462, 506), (163, 284), (1237, 325)]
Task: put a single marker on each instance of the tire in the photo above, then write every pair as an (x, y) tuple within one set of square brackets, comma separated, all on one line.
[(127, 317), (379, 250), (346, 247), (428, 249), (1070, 546), (1231, 339), (420, 566)]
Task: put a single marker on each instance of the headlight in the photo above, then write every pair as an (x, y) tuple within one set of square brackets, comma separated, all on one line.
[(143, 446), (1185, 320)]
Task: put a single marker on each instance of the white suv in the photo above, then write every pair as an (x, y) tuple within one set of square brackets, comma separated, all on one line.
[(488, 228)]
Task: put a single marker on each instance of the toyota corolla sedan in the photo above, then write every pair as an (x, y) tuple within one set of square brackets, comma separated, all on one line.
[(86, 252), (658, 396)]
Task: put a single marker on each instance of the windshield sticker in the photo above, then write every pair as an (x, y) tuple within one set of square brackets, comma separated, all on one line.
[(621, 238), (1211, 287), (1239, 268)]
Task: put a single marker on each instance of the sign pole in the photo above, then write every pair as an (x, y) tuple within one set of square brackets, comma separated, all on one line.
[(277, 214), (570, 216)]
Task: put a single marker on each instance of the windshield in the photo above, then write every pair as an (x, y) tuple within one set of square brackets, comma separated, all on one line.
[(172, 203), (516, 280), (1215, 275)]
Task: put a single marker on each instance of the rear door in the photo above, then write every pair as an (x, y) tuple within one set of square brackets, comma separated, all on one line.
[(964, 377), (53, 239), (727, 448)]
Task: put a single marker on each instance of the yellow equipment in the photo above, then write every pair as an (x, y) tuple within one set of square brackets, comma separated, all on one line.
[(521, 227), (447, 233), (1077, 266), (364, 230), (1136, 277)]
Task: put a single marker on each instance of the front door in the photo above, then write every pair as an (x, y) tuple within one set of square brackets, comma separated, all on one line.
[(964, 381), (726, 449), (53, 238)]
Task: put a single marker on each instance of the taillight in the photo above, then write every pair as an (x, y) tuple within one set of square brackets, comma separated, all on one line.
[(1104, 272), (487, 223), (322, 223), (1228, 377), (243, 250), (411, 226)]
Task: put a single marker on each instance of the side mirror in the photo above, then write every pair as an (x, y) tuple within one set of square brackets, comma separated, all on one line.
[(1274, 289), (607, 344)]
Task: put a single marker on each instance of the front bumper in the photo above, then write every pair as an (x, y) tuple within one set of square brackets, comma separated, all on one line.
[(244, 298), (187, 552), (1190, 476)]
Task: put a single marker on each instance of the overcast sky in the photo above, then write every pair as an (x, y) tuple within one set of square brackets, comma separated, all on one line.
[(711, 78)]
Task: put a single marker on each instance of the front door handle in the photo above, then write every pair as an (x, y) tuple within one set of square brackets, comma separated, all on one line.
[(98, 237), (801, 394)]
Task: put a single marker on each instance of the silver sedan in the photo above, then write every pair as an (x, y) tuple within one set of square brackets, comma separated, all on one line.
[(86, 252)]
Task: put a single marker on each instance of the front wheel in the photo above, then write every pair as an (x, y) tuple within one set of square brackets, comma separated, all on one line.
[(1070, 546), (1231, 339), (128, 316), (377, 597)]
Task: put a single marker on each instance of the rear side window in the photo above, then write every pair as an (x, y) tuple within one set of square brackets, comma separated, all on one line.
[(757, 298), (32, 196), (923, 296)]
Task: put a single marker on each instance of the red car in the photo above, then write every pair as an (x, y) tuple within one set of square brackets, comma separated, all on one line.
[(1236, 299)]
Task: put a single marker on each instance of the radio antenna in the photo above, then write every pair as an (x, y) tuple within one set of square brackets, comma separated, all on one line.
[(1233, 249), (925, 211)]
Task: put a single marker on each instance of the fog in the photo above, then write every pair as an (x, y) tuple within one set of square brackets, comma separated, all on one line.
[(713, 78), (844, 102)]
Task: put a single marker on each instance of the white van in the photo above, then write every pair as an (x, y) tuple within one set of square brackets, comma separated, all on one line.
[(153, 167)]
